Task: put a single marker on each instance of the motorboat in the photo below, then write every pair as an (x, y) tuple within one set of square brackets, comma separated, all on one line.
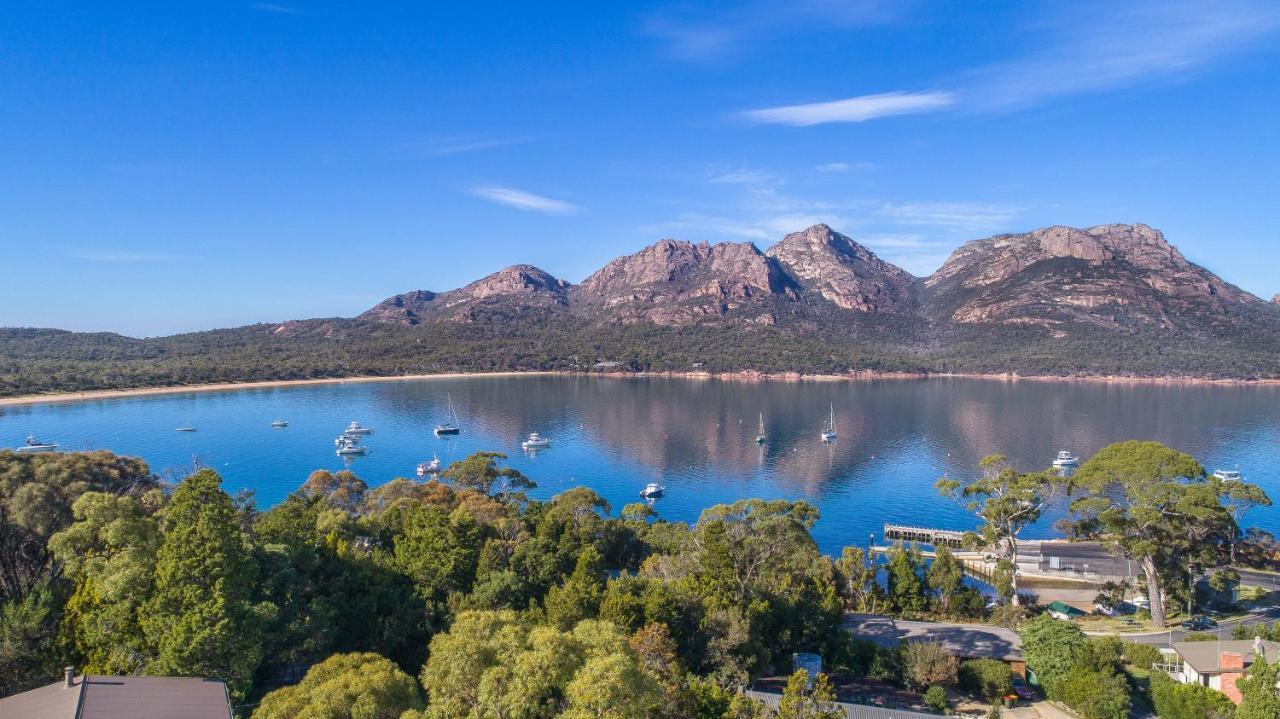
[(349, 446), (652, 490), (355, 430), (829, 434), (1066, 459), (536, 441), (449, 426), (184, 429), (279, 423), (1228, 475), (429, 468), (760, 432), (34, 445)]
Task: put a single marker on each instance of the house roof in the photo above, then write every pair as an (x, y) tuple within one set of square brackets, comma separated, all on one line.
[(968, 641), (851, 711), (103, 697), (1204, 656)]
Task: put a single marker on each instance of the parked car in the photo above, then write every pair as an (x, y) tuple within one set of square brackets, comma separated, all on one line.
[(1023, 690), (1199, 623)]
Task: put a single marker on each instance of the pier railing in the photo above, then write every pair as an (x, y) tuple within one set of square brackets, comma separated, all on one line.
[(924, 535)]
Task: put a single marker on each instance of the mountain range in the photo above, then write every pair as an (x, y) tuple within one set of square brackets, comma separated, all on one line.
[(1106, 300)]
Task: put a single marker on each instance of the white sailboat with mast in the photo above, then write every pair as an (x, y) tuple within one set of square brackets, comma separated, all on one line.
[(829, 434), (760, 436), (449, 426)]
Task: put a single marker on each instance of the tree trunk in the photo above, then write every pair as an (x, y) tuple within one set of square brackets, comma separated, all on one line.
[(1013, 579), (1153, 591)]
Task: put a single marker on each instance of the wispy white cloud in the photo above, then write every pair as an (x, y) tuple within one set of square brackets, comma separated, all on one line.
[(963, 216), (521, 200), (716, 30), (117, 256), (1102, 46), (742, 176), (833, 167), (271, 7), (456, 144), (854, 109)]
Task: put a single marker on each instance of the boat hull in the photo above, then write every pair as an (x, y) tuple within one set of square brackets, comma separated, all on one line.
[(447, 430), (37, 448)]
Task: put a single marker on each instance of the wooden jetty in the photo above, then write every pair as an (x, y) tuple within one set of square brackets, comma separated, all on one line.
[(924, 535)]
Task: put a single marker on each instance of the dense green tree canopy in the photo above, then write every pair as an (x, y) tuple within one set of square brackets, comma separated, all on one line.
[(345, 686)]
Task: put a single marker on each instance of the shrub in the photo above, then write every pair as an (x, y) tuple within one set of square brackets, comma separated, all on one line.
[(925, 663), (988, 679), (1093, 694), (1052, 648), (1172, 700), (936, 699), (1142, 656)]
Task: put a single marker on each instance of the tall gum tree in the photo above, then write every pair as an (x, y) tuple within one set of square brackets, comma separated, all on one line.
[(1006, 501), (1152, 503)]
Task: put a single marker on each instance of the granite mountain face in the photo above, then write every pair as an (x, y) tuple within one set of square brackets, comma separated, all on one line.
[(1108, 279)]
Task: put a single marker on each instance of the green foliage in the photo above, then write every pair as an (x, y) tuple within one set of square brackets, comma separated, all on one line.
[(905, 588), (1260, 690), (1142, 656), (1052, 648), (1093, 694), (944, 577), (987, 679), (345, 686), (579, 597), (1173, 700), (29, 646), (480, 472), (200, 619), (926, 663), (859, 583), (935, 698), (800, 700)]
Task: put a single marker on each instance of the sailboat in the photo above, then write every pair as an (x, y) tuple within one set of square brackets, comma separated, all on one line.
[(760, 433), (450, 426), (829, 434)]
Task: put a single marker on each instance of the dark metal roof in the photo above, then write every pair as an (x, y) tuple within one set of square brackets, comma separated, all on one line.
[(100, 697), (851, 711), (967, 641)]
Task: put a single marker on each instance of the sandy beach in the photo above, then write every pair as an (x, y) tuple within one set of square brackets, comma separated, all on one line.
[(742, 376)]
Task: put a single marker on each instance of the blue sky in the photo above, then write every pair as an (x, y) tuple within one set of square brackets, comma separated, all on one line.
[(168, 167)]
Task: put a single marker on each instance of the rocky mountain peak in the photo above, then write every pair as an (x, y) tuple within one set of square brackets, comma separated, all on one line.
[(843, 271), (1276, 299), (522, 285), (514, 280)]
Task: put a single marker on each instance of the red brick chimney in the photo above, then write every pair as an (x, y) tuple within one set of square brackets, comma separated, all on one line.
[(1232, 666)]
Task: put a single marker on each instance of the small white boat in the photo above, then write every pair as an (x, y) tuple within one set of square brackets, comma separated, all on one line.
[(535, 441), (279, 423), (34, 445), (1228, 475), (652, 489), (349, 445), (1066, 459), (354, 429), (184, 429), (829, 434), (429, 468), (760, 432)]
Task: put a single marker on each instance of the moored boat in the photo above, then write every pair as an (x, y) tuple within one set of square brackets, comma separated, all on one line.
[(536, 441), (1066, 459), (449, 426), (349, 445), (431, 468), (354, 429), (829, 434), (1228, 475), (279, 423), (34, 445), (652, 490)]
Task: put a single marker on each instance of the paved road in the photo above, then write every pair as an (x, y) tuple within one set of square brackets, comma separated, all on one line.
[(1224, 629)]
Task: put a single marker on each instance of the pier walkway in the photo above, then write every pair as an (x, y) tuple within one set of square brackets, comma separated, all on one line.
[(924, 535)]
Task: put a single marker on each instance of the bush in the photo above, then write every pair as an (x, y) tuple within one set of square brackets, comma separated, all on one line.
[(936, 699), (1094, 695), (988, 679), (925, 663), (1142, 656), (1172, 700), (1052, 648)]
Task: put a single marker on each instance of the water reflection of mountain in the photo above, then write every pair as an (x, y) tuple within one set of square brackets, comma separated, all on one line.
[(912, 429)]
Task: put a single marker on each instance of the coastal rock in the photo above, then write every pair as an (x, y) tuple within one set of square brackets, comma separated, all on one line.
[(844, 272)]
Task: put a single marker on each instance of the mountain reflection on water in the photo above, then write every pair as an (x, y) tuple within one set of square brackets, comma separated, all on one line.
[(896, 437)]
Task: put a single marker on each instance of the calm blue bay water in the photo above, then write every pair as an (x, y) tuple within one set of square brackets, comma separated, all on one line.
[(695, 436)]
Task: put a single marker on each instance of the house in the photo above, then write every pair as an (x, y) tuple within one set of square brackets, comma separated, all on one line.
[(106, 697), (1217, 665), (964, 641), (607, 365)]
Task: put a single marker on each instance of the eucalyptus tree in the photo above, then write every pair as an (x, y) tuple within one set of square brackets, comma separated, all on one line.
[(1006, 501), (1240, 498), (345, 686), (482, 473), (1151, 503)]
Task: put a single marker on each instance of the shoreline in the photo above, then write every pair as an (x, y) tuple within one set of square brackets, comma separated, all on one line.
[(739, 376)]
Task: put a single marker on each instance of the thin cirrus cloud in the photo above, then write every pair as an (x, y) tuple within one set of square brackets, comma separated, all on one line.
[(525, 201), (960, 216), (271, 7), (444, 145), (853, 109), (118, 256)]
